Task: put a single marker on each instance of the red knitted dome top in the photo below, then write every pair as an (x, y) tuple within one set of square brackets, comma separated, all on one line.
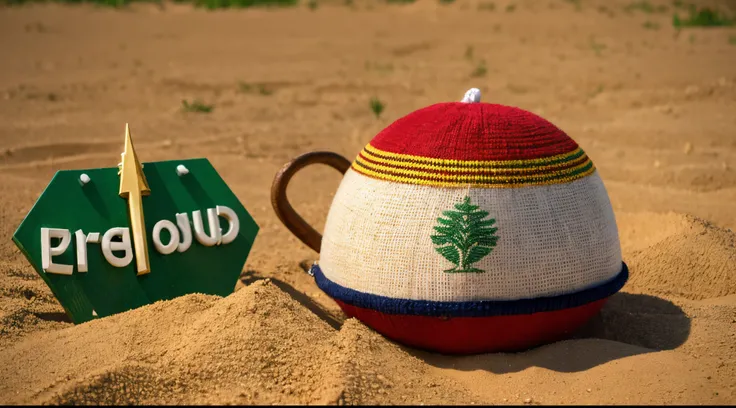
[(457, 144), (473, 131)]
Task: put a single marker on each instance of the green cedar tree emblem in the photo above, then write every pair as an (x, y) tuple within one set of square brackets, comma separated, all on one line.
[(464, 237)]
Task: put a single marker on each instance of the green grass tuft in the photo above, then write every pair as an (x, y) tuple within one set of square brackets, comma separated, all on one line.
[(597, 47), (510, 8), (196, 106), (645, 7), (480, 70), (732, 40), (248, 88), (469, 53), (575, 3), (650, 25), (245, 87), (703, 17), (264, 91), (447, 1), (487, 6), (597, 91), (312, 4), (219, 4), (377, 106)]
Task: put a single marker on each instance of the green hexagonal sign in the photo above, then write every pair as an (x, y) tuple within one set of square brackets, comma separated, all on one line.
[(114, 239)]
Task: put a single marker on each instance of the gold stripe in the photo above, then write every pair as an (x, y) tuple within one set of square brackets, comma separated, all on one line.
[(449, 162), (457, 178), (408, 180), (449, 168)]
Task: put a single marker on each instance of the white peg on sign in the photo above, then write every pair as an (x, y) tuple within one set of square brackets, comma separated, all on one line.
[(84, 179), (181, 170)]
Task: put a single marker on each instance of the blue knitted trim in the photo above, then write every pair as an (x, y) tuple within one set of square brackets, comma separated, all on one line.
[(480, 308)]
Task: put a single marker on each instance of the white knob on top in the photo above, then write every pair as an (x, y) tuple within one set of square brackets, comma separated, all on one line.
[(472, 96)]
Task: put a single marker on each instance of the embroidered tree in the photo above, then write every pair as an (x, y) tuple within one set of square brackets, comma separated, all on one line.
[(464, 237)]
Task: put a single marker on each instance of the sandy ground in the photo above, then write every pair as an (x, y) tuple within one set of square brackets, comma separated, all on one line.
[(653, 108)]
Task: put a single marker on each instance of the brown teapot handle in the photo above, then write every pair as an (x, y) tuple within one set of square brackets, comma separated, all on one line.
[(293, 221)]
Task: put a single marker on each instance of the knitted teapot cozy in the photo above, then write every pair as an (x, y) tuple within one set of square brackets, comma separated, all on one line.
[(469, 227)]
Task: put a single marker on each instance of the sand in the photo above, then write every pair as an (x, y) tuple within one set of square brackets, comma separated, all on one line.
[(653, 108)]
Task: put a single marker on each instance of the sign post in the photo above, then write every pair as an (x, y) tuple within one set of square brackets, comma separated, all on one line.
[(110, 240)]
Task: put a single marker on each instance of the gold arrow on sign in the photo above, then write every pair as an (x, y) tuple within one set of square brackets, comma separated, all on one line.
[(133, 186)]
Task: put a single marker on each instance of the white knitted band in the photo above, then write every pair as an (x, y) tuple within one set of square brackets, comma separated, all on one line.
[(549, 240)]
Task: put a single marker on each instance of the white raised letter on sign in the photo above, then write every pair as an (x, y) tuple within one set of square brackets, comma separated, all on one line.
[(233, 222), (81, 251), (108, 246), (47, 252), (182, 220), (215, 235), (173, 241)]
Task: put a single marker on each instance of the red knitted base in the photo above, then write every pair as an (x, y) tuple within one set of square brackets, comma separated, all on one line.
[(474, 131), (470, 335)]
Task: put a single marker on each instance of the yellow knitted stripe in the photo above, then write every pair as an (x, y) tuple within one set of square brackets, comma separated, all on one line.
[(405, 158), (449, 180), (496, 169)]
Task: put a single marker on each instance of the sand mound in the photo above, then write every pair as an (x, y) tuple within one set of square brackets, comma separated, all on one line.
[(260, 346), (250, 346), (377, 371), (257, 346), (27, 305), (684, 257), (641, 230)]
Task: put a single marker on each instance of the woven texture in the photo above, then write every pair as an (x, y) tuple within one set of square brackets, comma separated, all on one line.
[(474, 131), (467, 202), (401, 168), (479, 308), (551, 240), (469, 335)]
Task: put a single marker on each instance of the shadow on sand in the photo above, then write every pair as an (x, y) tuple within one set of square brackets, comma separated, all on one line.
[(53, 317), (628, 325)]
